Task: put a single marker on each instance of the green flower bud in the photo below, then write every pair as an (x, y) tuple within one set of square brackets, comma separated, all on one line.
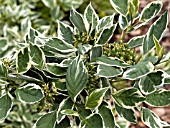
[(122, 54), (129, 62), (122, 58), (130, 57), (126, 45), (105, 52), (117, 54), (131, 52), (124, 49), (128, 50), (109, 54)]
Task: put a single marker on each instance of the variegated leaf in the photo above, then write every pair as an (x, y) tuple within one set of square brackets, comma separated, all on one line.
[(139, 70), (128, 97), (37, 56), (151, 10), (47, 120), (30, 93), (135, 41), (151, 119), (59, 45), (107, 116), (105, 35), (65, 104), (108, 71), (56, 69), (159, 98), (78, 21), (93, 121), (121, 6), (157, 29), (91, 17), (76, 77), (148, 83), (23, 61), (109, 61), (128, 114), (5, 106), (65, 32), (105, 22), (95, 98)]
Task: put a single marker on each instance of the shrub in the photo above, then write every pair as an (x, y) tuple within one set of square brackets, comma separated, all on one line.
[(18, 15), (80, 79)]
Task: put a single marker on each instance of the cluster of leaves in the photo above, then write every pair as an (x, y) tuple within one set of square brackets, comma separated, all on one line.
[(18, 15), (21, 116), (70, 78)]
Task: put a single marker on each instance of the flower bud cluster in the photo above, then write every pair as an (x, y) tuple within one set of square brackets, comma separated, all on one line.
[(92, 78), (83, 38), (121, 51)]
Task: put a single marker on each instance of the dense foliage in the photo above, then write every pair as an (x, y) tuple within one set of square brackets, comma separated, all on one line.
[(18, 15), (80, 79)]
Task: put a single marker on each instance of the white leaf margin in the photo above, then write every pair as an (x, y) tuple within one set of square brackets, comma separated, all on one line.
[(59, 110), (35, 86), (156, 118), (125, 76), (98, 71), (147, 7), (10, 107), (42, 116)]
